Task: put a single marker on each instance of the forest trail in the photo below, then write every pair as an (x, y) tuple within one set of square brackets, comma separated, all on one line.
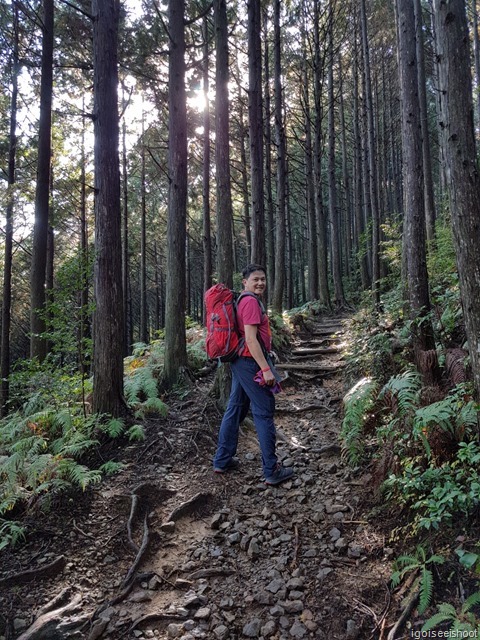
[(167, 549)]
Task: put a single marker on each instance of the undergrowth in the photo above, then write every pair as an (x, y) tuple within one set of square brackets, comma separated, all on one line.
[(420, 442)]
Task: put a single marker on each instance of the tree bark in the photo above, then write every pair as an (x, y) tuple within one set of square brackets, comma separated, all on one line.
[(108, 321), (371, 167), (430, 214), (38, 345), (280, 239), (207, 230), (456, 90), (414, 244), (256, 130), (8, 248), (332, 184), (175, 340), (323, 286)]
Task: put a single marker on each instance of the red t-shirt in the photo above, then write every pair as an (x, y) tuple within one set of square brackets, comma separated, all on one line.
[(250, 312)]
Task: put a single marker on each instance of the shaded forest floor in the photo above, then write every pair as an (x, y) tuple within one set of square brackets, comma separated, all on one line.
[(167, 549)]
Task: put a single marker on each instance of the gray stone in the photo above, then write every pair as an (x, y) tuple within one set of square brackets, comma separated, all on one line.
[(269, 628), (203, 613), (298, 630), (352, 630), (335, 533), (275, 585), (167, 527), (221, 632), (252, 628)]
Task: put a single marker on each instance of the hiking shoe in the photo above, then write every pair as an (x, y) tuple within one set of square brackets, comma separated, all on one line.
[(231, 466), (279, 475)]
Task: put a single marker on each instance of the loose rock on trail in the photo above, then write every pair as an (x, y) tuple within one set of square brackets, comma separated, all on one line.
[(167, 549)]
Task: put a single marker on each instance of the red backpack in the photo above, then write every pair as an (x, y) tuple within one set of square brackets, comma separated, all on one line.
[(223, 340)]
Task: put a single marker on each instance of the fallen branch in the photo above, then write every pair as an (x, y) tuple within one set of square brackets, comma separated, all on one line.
[(50, 617), (45, 571), (398, 626)]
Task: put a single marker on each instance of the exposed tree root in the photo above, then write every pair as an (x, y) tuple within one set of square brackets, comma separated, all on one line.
[(50, 618), (45, 571), (189, 506)]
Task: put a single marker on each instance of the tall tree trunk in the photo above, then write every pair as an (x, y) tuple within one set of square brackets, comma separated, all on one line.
[(8, 248), (38, 345), (84, 328), (280, 240), (346, 184), (332, 183), (247, 223), (270, 213), (256, 130), (207, 229), (143, 333), (108, 320), (456, 88), (414, 244), (175, 339), (128, 324), (323, 287), (358, 177), (476, 52), (372, 170), (222, 155), (309, 176), (430, 214)]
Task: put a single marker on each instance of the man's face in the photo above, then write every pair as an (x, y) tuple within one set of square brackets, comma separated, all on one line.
[(255, 283)]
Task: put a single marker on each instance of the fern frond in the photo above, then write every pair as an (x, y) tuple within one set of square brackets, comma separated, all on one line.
[(111, 467), (438, 618), (357, 403), (136, 433), (426, 591), (405, 387), (471, 601), (114, 427)]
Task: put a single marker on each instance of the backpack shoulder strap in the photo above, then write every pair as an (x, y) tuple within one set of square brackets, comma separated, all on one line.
[(248, 293)]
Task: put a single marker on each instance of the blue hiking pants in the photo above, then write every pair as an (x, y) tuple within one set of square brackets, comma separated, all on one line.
[(262, 403)]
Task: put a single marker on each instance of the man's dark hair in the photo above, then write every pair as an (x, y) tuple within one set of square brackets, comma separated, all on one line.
[(250, 268)]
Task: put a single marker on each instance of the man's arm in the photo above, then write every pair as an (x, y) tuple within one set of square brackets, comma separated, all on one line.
[(256, 351)]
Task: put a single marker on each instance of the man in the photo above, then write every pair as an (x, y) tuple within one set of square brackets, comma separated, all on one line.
[(254, 327)]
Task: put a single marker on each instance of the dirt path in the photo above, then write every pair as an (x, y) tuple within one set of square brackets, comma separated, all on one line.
[(167, 549)]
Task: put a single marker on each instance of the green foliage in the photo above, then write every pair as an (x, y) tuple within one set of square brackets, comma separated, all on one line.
[(10, 533), (462, 620), (369, 350), (438, 495), (136, 433), (358, 402), (418, 561), (64, 314)]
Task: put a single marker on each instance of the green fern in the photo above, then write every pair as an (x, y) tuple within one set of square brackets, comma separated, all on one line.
[(111, 467), (464, 620), (140, 385), (10, 533), (136, 433), (113, 427), (405, 388), (358, 403), (417, 561), (152, 406)]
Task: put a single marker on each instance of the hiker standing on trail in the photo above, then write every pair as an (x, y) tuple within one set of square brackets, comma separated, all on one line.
[(253, 360)]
